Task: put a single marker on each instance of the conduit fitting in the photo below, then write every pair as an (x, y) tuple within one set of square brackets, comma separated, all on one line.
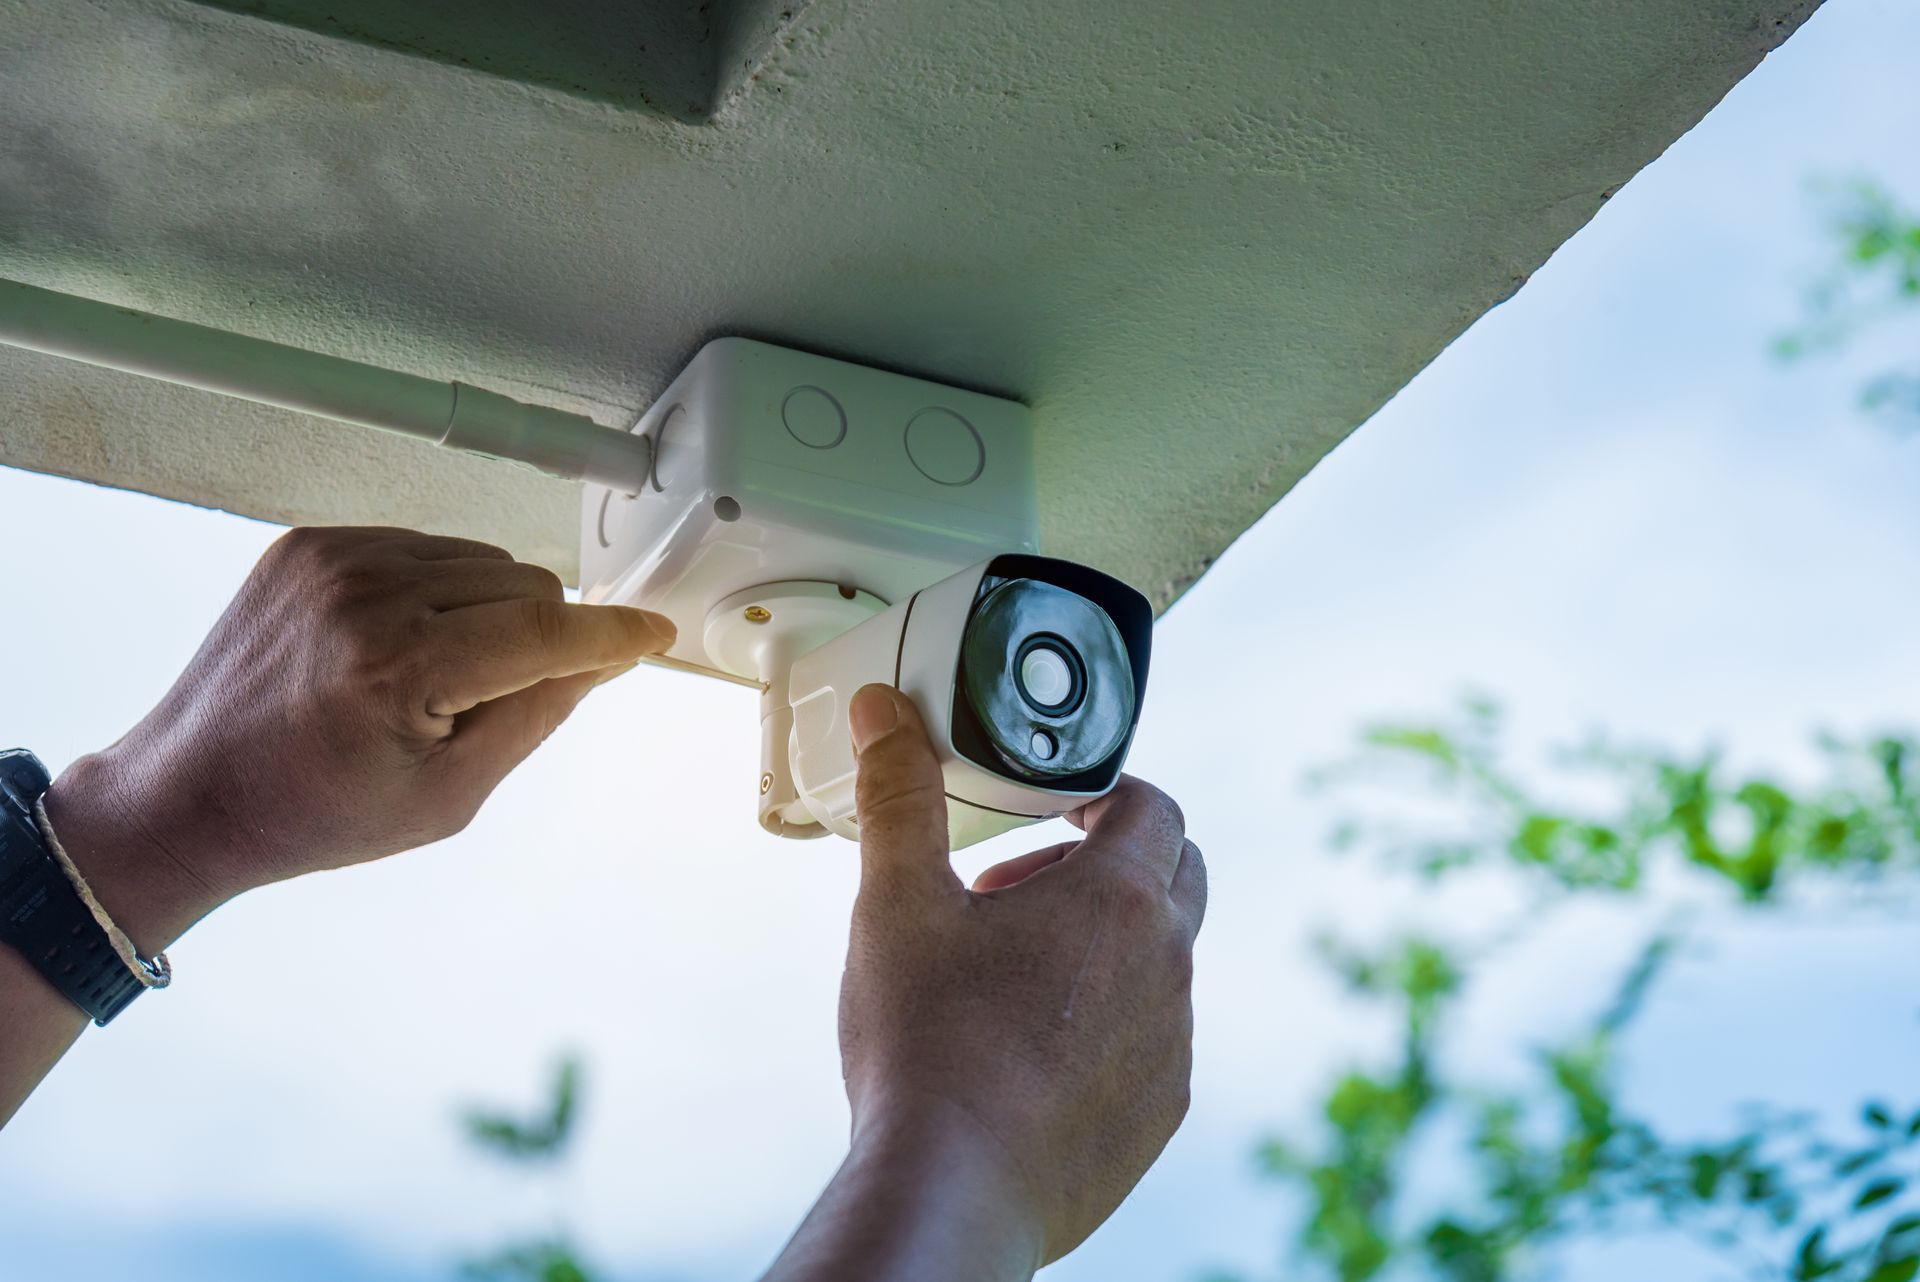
[(458, 415), (563, 444)]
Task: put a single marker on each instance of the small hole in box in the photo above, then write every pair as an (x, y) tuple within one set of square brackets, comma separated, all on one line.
[(727, 508)]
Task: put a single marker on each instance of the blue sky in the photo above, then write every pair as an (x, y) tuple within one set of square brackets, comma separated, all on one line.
[(1605, 504)]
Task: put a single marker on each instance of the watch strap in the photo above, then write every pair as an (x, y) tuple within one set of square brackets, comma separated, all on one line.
[(42, 915)]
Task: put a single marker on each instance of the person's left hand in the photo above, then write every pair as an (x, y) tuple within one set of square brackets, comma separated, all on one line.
[(363, 695)]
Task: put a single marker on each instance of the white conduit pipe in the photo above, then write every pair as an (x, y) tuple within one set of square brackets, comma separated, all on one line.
[(453, 414)]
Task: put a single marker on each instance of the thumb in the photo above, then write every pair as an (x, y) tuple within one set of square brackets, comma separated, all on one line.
[(899, 794)]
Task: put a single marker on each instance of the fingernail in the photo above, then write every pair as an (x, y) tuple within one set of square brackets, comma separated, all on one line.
[(872, 714), (663, 628)]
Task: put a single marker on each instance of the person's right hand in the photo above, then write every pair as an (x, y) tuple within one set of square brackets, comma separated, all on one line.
[(1037, 1027)]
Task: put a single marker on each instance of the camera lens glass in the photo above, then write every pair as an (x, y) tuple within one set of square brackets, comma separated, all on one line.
[(1048, 677)]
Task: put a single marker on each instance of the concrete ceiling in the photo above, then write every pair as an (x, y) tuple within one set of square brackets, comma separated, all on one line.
[(1203, 240)]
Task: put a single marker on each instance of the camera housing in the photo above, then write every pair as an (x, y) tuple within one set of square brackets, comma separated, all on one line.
[(810, 525)]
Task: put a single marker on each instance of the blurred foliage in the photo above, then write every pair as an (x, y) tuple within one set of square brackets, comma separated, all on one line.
[(529, 1262), (539, 1141), (545, 1136), (1654, 808), (1562, 1155), (1876, 277)]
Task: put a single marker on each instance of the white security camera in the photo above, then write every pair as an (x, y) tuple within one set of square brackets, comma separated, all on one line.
[(1028, 672), (812, 526)]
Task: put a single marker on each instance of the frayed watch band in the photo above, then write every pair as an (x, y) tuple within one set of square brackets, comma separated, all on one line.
[(151, 974)]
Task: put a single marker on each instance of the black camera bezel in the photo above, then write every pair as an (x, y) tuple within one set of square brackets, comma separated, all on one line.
[(1132, 616)]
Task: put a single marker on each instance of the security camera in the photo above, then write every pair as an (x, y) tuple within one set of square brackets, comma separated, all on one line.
[(811, 526), (1028, 672)]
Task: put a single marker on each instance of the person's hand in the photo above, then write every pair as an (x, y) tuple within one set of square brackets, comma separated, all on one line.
[(362, 695), (1036, 1029)]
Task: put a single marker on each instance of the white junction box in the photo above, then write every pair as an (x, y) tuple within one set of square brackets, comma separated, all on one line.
[(772, 465)]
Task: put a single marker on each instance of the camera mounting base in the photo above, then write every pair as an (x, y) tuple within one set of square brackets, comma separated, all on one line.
[(757, 634)]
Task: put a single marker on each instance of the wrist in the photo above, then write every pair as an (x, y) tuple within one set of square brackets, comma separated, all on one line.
[(133, 846), (925, 1193), (956, 1166)]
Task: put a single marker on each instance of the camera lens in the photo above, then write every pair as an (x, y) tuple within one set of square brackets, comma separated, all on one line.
[(1048, 677)]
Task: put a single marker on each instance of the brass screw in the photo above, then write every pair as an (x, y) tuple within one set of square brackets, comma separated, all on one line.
[(758, 614), (766, 783)]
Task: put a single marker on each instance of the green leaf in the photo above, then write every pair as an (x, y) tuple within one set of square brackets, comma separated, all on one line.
[(498, 1133), (1432, 744), (1276, 1157), (1893, 1241), (1811, 1260), (566, 1099), (1871, 245), (1359, 1101), (1877, 1192), (529, 1262), (536, 1139), (1854, 1163), (1876, 1116), (1704, 1176), (1535, 841), (1901, 1270), (1427, 972)]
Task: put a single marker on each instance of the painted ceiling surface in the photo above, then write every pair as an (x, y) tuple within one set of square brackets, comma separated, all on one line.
[(1203, 240)]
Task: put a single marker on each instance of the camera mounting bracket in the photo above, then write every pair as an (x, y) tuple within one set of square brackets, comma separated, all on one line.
[(757, 634)]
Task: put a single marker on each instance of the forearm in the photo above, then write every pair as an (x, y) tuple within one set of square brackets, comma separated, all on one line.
[(921, 1196), (136, 881), (39, 1026)]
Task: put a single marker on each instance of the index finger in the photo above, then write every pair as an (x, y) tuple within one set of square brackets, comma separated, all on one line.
[(482, 652), (1135, 822)]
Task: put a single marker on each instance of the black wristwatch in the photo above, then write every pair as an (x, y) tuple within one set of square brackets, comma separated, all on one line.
[(41, 914)]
